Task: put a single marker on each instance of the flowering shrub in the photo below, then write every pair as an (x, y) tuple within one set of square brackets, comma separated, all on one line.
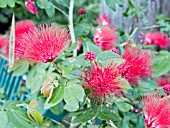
[(76, 64)]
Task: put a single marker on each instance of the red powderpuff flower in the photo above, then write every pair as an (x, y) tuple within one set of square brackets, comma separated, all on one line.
[(43, 44), (81, 11), (30, 6), (21, 27), (3, 41), (165, 83), (156, 38), (156, 110), (103, 20), (104, 37), (137, 64), (103, 81)]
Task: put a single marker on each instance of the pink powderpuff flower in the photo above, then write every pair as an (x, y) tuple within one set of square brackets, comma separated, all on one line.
[(165, 83), (43, 44), (103, 20), (156, 110), (81, 11), (30, 6), (104, 81), (104, 37), (137, 64), (3, 41), (21, 27), (157, 38)]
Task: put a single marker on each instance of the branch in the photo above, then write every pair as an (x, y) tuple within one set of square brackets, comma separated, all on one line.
[(3, 57), (57, 122), (143, 28), (61, 11), (71, 27)]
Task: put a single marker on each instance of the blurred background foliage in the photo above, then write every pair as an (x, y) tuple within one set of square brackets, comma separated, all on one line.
[(47, 11)]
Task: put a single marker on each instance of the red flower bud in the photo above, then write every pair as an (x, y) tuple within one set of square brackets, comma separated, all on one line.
[(90, 56), (81, 11), (30, 6)]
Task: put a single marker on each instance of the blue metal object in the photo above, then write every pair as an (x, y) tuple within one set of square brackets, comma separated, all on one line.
[(9, 83)]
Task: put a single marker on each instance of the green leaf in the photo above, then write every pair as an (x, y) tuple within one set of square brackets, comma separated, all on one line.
[(124, 124), (3, 4), (131, 10), (80, 61), (93, 47), (21, 68), (63, 2), (148, 86), (68, 69), (107, 114), (56, 97), (11, 3), (3, 119), (161, 63), (106, 55), (57, 109), (84, 117), (79, 112), (37, 116), (82, 29), (18, 118), (8, 104), (72, 47), (70, 108), (74, 93), (112, 4), (42, 3), (35, 79), (123, 104), (126, 86), (70, 98), (50, 10), (78, 92)]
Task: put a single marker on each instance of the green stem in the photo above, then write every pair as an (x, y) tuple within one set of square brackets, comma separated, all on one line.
[(71, 27), (143, 28), (3, 57), (61, 11)]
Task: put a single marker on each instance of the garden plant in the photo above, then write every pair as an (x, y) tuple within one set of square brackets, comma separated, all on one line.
[(77, 65)]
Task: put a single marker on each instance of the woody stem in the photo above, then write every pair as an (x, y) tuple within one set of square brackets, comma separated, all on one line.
[(143, 28), (71, 27)]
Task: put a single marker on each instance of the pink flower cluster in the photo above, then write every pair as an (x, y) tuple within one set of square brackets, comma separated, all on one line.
[(156, 38), (165, 83), (3, 41), (104, 35), (137, 64), (156, 110), (38, 44), (104, 80)]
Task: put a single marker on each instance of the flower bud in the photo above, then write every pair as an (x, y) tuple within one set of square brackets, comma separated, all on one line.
[(81, 11), (90, 56), (30, 6)]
